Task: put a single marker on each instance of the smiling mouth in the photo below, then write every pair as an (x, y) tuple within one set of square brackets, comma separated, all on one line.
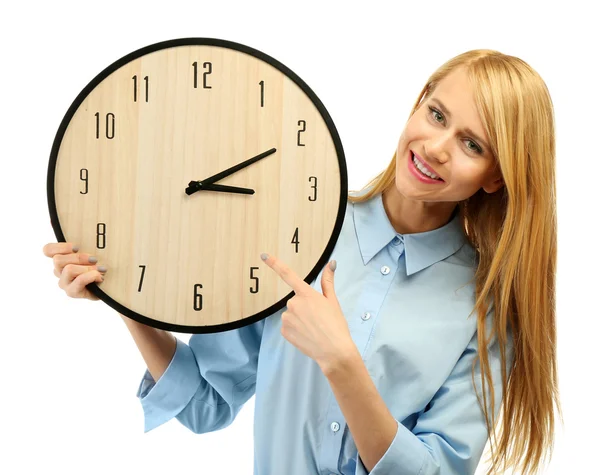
[(414, 160)]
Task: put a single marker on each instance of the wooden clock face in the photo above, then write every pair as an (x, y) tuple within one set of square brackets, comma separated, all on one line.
[(154, 124)]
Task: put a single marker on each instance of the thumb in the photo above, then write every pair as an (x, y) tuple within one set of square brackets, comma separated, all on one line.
[(327, 280)]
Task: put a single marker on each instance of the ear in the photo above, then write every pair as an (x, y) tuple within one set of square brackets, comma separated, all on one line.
[(494, 185), (495, 182)]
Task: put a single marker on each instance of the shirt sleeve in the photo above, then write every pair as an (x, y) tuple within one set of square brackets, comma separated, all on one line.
[(207, 381), (450, 436)]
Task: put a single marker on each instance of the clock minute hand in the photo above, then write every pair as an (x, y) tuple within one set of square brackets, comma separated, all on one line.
[(195, 186), (235, 168)]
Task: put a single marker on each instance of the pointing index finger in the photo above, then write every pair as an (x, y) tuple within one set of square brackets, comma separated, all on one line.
[(287, 274)]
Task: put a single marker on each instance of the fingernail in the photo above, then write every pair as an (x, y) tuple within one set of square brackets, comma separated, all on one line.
[(75, 248), (333, 265), (101, 269), (264, 256), (92, 259)]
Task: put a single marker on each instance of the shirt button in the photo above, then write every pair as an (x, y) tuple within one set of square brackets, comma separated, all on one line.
[(385, 270), (335, 426), (366, 316), (396, 241)]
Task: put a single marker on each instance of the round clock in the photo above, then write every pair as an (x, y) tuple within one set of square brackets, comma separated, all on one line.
[(183, 161)]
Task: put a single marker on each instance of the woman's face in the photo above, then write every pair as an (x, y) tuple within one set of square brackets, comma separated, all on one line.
[(437, 132)]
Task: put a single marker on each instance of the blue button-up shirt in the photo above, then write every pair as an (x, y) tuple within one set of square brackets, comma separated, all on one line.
[(407, 300)]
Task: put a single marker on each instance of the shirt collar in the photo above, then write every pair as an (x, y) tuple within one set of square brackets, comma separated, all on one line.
[(374, 231)]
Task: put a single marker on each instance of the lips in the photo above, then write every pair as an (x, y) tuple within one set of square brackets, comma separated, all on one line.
[(425, 164)]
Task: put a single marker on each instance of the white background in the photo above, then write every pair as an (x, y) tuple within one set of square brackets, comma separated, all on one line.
[(70, 368)]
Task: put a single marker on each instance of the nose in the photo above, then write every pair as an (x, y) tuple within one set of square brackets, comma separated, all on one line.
[(438, 148)]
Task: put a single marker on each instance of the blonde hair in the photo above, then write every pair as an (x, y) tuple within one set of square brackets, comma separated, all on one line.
[(514, 232)]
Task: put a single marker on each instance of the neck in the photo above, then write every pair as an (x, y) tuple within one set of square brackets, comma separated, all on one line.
[(413, 216)]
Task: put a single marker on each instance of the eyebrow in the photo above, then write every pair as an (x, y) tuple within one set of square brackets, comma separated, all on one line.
[(466, 129)]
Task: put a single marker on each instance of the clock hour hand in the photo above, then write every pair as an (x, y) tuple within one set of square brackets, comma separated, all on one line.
[(197, 185), (194, 186)]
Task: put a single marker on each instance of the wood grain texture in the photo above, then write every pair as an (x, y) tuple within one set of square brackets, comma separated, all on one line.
[(136, 184)]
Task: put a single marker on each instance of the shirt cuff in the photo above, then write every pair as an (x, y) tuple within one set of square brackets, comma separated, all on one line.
[(405, 456), (163, 400)]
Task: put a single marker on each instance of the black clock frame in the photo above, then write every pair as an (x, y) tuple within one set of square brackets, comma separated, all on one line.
[(93, 287)]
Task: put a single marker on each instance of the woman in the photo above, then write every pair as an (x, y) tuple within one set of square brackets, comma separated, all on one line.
[(422, 383)]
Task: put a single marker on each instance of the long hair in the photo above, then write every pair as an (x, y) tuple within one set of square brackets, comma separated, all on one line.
[(514, 233)]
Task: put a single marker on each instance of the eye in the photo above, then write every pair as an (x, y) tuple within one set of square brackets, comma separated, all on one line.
[(477, 148), (434, 113)]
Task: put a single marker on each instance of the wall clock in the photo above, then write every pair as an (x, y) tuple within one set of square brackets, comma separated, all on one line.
[(183, 161)]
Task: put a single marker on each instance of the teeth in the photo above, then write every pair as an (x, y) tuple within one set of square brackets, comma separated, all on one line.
[(424, 170)]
